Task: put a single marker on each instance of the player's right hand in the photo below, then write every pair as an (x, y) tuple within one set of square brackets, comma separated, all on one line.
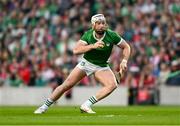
[(98, 44)]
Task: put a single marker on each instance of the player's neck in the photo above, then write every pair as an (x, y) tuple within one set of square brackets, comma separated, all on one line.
[(99, 36)]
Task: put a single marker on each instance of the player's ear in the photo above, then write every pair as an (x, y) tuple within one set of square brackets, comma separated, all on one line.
[(107, 26), (93, 25)]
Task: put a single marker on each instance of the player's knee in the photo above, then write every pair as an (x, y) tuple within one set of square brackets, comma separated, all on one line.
[(69, 81), (64, 87), (112, 86), (61, 88)]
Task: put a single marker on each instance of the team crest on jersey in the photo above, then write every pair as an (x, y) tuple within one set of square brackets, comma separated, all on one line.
[(107, 44), (82, 63)]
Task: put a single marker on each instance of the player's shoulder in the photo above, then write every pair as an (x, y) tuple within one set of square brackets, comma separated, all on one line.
[(112, 33), (87, 35), (90, 31)]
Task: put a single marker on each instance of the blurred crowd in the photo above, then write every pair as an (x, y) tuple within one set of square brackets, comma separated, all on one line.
[(37, 38)]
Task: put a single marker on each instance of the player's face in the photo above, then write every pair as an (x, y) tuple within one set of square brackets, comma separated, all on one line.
[(100, 27)]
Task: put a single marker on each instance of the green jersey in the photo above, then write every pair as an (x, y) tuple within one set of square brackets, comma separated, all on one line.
[(100, 56)]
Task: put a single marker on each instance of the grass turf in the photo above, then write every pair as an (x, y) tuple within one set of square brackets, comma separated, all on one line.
[(135, 115)]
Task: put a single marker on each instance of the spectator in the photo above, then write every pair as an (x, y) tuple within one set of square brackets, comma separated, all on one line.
[(174, 76), (164, 73), (14, 80)]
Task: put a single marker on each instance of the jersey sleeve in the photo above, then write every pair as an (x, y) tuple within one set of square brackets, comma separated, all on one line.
[(84, 37), (116, 38)]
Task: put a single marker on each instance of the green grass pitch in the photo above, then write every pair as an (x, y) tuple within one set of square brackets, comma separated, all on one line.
[(111, 115)]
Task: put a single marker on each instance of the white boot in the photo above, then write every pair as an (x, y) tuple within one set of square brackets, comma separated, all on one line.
[(86, 109), (40, 110)]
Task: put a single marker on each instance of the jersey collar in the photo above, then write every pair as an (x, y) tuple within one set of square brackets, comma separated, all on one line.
[(100, 38)]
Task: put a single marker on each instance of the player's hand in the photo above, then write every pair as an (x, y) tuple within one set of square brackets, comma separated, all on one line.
[(123, 66), (98, 44)]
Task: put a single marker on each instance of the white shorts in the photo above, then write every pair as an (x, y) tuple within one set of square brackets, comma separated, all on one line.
[(90, 68)]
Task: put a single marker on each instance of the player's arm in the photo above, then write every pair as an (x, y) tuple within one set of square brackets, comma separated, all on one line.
[(82, 47), (126, 54)]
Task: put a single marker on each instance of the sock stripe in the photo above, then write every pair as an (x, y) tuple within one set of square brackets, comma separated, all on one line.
[(94, 99), (48, 103), (91, 101)]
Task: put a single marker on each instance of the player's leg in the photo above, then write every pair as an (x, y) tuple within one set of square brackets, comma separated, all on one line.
[(108, 81), (74, 77)]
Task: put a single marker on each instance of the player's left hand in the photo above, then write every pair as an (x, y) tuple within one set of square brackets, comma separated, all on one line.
[(123, 66)]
